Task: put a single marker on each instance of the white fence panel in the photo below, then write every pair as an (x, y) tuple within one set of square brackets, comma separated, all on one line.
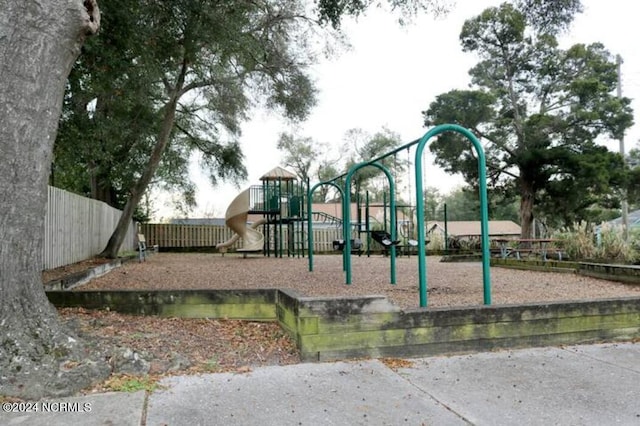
[(78, 228)]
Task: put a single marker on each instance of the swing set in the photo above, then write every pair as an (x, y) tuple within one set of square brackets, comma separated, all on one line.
[(405, 227), (389, 238)]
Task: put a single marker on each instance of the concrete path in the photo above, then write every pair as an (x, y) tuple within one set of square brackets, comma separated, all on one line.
[(577, 385)]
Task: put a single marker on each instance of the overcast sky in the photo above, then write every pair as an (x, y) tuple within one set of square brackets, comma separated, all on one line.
[(392, 73)]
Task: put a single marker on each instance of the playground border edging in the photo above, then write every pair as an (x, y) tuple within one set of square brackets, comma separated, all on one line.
[(331, 328), (79, 278), (629, 274)]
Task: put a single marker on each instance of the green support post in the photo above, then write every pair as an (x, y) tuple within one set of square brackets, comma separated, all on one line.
[(446, 231), (346, 219), (484, 216), (384, 210), (310, 218), (422, 272), (367, 225)]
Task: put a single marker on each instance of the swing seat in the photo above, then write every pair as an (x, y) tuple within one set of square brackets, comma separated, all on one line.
[(387, 242), (384, 238), (356, 246)]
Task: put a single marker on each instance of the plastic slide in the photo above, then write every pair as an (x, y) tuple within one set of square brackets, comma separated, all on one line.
[(236, 219)]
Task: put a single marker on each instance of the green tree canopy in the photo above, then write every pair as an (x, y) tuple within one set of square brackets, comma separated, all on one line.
[(167, 79), (170, 78), (300, 154), (633, 187), (362, 147), (333, 11), (311, 159), (538, 110), (327, 169), (464, 204)]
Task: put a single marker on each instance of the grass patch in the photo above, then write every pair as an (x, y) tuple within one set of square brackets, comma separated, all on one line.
[(212, 364), (126, 383)]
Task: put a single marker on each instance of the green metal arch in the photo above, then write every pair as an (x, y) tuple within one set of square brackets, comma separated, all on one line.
[(484, 215), (310, 219), (346, 218)]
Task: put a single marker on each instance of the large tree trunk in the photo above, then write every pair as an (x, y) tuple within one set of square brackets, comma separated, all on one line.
[(101, 188), (526, 210), (39, 42), (117, 238)]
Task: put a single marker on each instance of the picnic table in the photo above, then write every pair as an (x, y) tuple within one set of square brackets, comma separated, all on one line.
[(527, 245)]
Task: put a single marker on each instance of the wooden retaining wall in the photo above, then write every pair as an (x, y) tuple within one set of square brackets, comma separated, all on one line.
[(370, 327), (333, 328), (629, 274)]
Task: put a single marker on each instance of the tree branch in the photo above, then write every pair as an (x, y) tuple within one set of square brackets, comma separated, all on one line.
[(91, 23), (495, 142)]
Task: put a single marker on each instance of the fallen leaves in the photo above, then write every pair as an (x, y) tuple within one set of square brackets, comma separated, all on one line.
[(187, 345), (64, 271), (396, 363)]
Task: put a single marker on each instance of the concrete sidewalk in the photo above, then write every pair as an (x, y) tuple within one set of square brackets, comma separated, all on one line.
[(577, 385)]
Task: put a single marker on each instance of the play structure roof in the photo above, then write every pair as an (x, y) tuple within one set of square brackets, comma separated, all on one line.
[(468, 228), (278, 173)]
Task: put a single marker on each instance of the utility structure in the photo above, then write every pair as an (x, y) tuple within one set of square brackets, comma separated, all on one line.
[(625, 204), (420, 144)]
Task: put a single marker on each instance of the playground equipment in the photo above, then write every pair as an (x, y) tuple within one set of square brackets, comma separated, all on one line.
[(347, 219), (384, 238), (236, 219), (484, 213), (419, 206), (281, 202), (222, 247), (278, 205), (373, 217), (405, 225)]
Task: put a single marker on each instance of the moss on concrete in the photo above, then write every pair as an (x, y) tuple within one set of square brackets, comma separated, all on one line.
[(253, 304), (334, 328), (253, 312), (536, 265), (629, 274), (557, 324)]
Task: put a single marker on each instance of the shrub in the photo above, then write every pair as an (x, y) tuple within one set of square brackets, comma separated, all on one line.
[(612, 245), (578, 241), (436, 241), (582, 242)]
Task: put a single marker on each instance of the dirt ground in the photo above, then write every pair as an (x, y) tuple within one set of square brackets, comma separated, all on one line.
[(185, 346), (449, 284)]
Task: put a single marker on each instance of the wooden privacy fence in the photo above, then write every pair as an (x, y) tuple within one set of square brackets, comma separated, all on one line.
[(323, 238), (185, 236), (78, 228), (192, 236)]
